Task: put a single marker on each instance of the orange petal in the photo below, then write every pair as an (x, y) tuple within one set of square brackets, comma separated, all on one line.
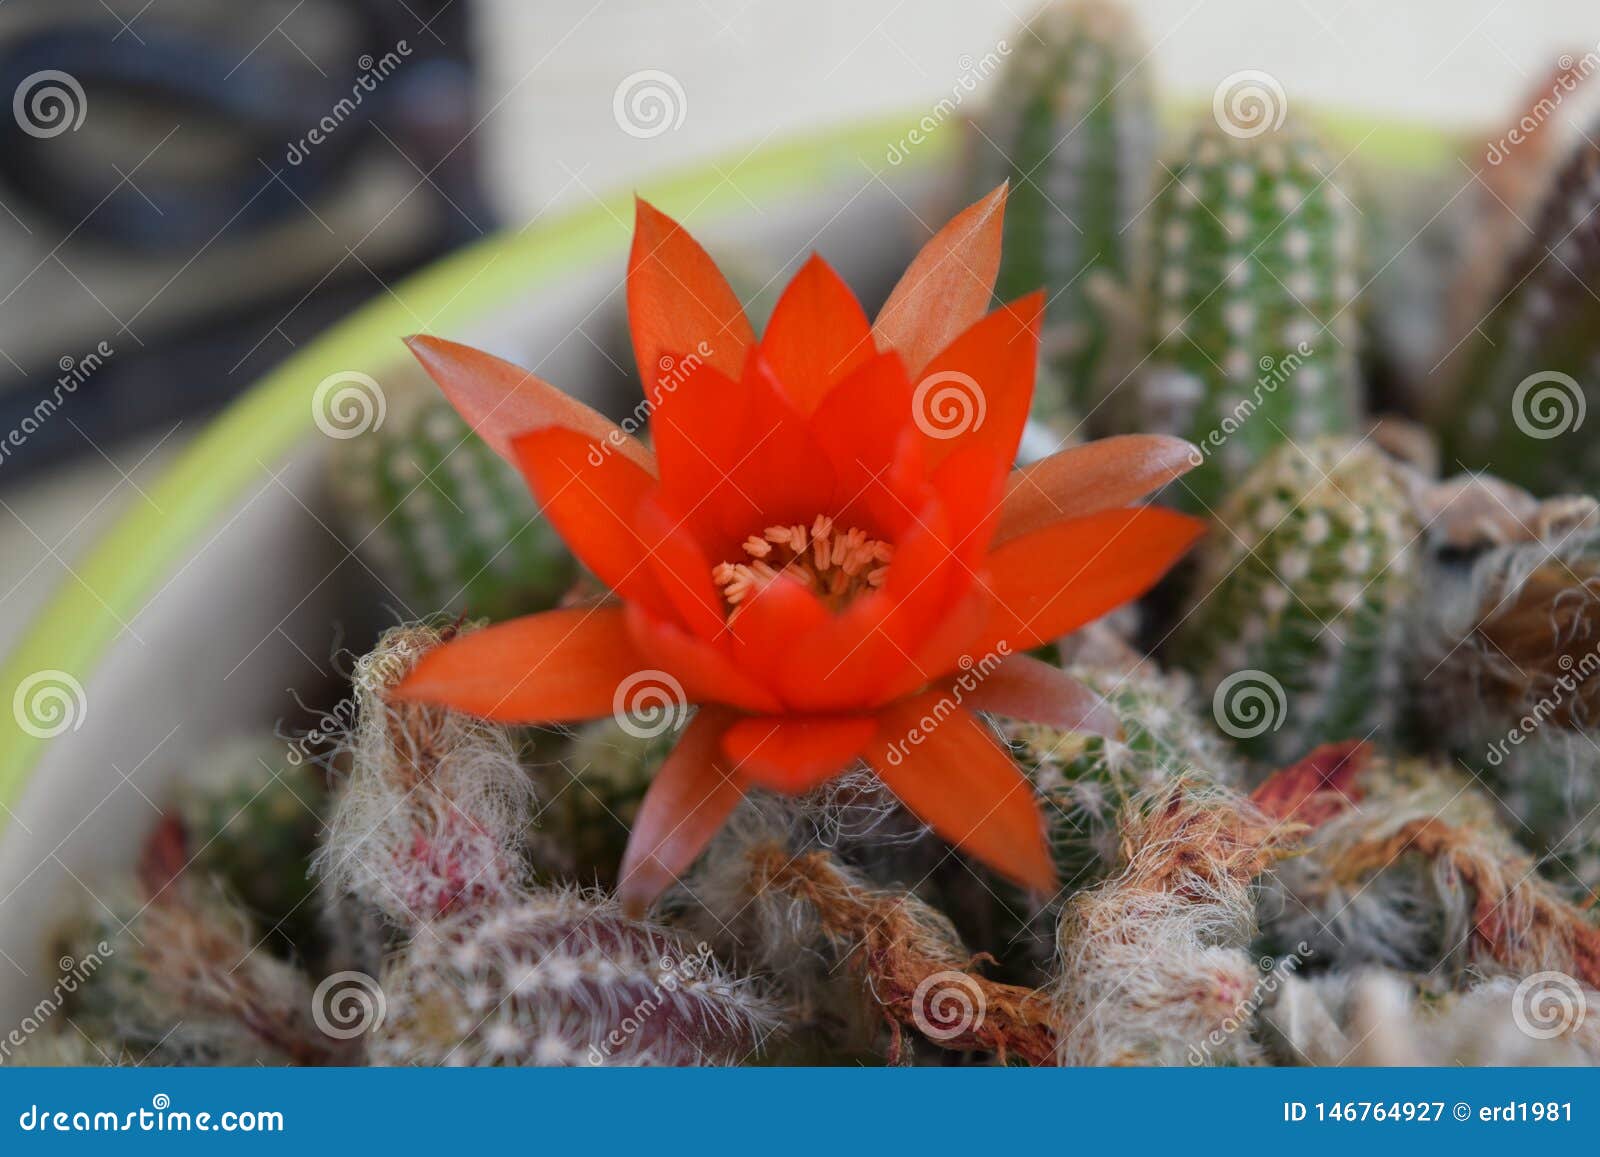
[(795, 754), (1083, 479), (947, 286), (500, 400), (688, 801), (946, 767), (1022, 687), (977, 390), (592, 499), (707, 673), (817, 336), (679, 303), (556, 667), (1053, 581)]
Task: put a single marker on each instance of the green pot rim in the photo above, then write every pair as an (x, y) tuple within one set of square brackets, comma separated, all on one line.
[(241, 446)]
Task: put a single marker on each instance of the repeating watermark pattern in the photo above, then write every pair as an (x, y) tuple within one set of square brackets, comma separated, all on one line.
[(1249, 103), (49, 103), (649, 703), (1548, 1004), (1243, 1014), (973, 72), (671, 373), (74, 974), (1274, 373), (673, 973), (1249, 703), (1574, 674), (49, 703), (648, 103), (347, 1005), (948, 404), (348, 404), (373, 73), (1573, 72), (946, 1005), (972, 674), (74, 372), (1548, 404)]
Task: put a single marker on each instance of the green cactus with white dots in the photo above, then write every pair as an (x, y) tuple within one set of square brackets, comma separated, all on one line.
[(1296, 616), (447, 524), (594, 793), (1073, 129), (1256, 264), (1528, 376)]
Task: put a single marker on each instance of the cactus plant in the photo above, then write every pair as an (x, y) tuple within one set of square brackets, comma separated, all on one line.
[(1296, 612), (251, 818), (1505, 663), (434, 814), (448, 525), (1073, 128), (1521, 387), (1257, 259), (1086, 781), (593, 795), (563, 978)]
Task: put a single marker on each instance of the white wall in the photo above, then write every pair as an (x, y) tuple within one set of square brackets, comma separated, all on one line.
[(753, 70)]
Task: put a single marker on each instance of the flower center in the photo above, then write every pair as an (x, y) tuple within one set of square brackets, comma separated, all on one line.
[(836, 565)]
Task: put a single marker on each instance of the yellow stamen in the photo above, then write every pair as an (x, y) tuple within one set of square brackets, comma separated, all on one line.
[(837, 566)]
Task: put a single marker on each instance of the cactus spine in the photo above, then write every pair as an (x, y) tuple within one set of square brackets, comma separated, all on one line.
[(1295, 620), (1073, 129), (1256, 262)]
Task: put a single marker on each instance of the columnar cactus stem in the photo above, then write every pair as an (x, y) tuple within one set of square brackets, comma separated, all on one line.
[(446, 520), (1073, 128), (1256, 265)]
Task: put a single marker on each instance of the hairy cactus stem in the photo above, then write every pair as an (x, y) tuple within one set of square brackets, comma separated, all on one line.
[(896, 956)]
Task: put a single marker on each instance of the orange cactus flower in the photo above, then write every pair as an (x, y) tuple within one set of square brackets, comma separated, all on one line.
[(827, 550)]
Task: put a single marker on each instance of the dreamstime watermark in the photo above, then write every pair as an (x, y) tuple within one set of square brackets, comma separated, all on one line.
[(160, 1117), (1249, 103), (348, 404), (1574, 673), (347, 1005), (1573, 73), (1548, 1004), (1548, 404), (373, 73), (74, 372), (48, 703), (972, 73), (648, 103), (74, 974), (1249, 703), (49, 103), (649, 703), (1274, 373), (1274, 974), (673, 973), (672, 373), (948, 404), (947, 1005), (972, 674)]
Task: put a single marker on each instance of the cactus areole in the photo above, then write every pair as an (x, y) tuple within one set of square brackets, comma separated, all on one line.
[(826, 550)]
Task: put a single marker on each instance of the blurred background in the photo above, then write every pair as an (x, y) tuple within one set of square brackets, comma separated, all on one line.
[(192, 189)]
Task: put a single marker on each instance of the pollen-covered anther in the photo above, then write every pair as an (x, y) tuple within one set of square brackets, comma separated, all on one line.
[(837, 565)]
